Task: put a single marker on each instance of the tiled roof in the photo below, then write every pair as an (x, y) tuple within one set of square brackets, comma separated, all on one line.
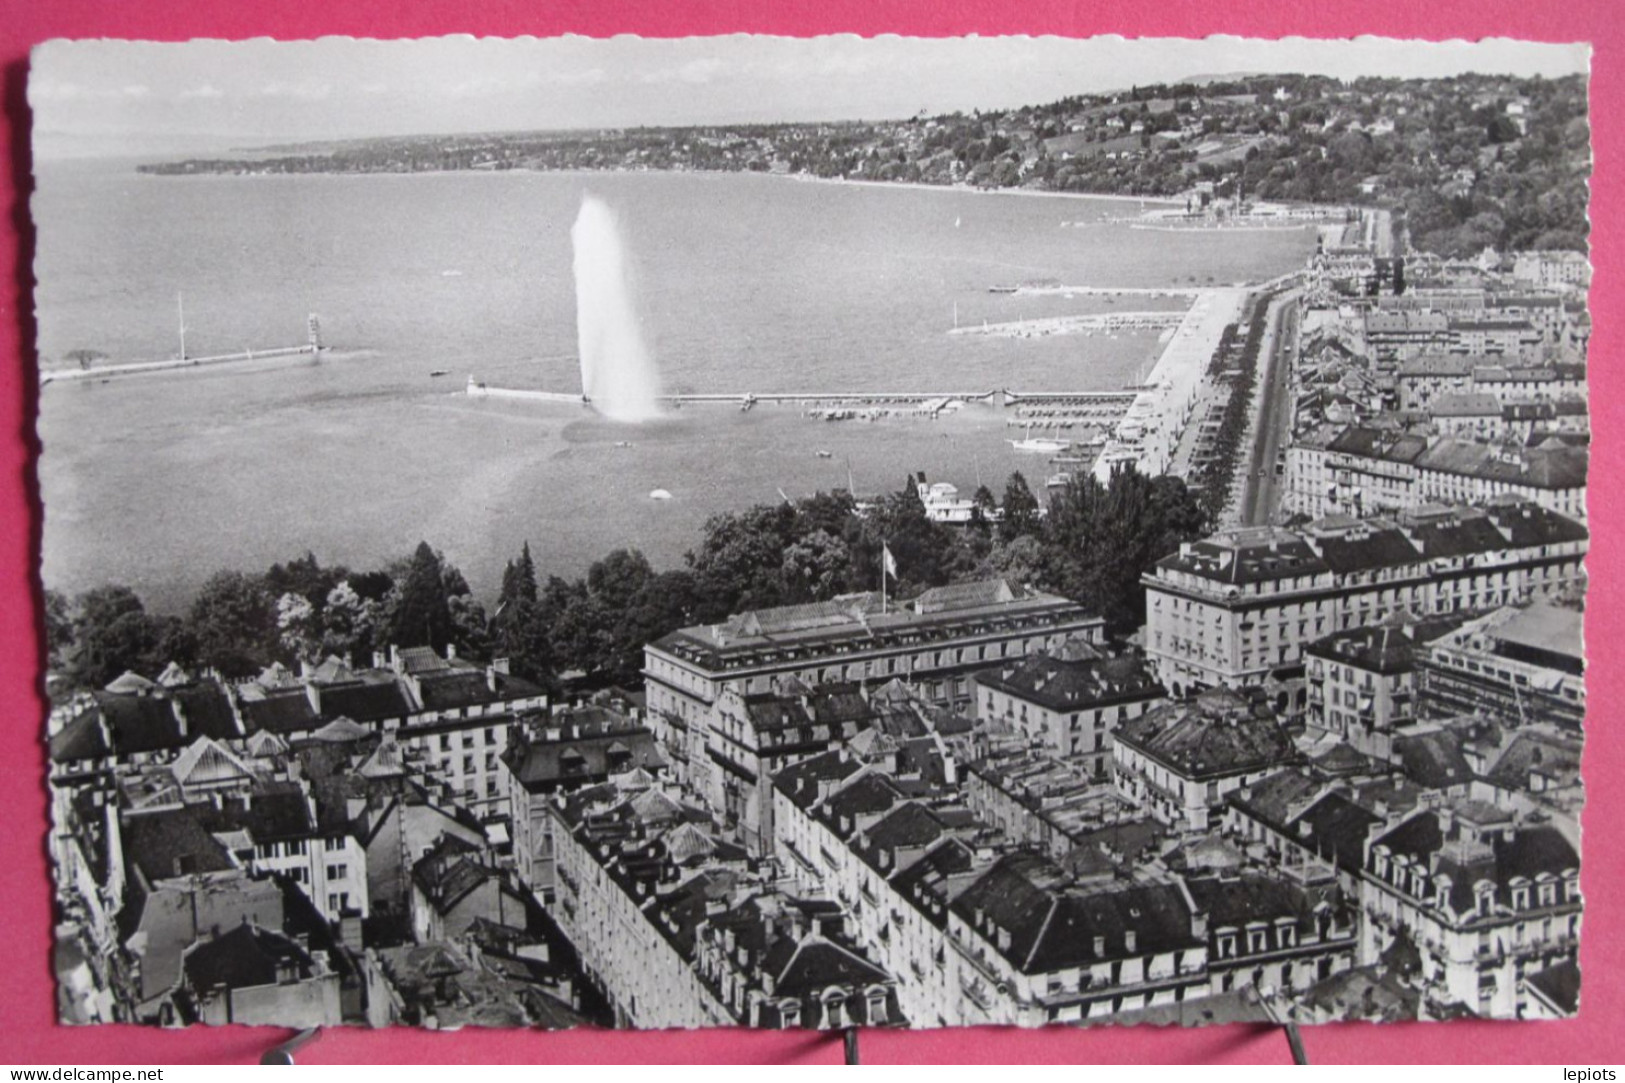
[(139, 723), (172, 843), (245, 958), (1052, 922), (1070, 686), (1433, 759), (871, 794), (279, 713), (816, 964), (342, 731), (206, 761), (450, 871), (207, 710), (420, 660), (541, 766), (1219, 732), (366, 702), (459, 688), (1500, 856), (272, 812), (1559, 985), (968, 596), (1233, 902), (1247, 555), (800, 781), (80, 739), (1366, 550), (130, 683)]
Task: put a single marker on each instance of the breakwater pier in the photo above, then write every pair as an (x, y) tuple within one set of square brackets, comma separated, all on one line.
[(312, 346), (137, 368)]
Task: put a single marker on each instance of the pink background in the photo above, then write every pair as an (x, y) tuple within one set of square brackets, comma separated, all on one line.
[(28, 1033)]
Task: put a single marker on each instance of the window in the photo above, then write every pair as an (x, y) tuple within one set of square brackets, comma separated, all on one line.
[(337, 872), (835, 1012)]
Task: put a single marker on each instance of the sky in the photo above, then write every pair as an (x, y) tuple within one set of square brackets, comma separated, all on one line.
[(106, 98)]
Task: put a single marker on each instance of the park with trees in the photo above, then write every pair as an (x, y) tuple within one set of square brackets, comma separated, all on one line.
[(1091, 542)]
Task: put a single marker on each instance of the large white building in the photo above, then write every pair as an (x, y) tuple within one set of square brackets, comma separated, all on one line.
[(1366, 471), (1486, 901), (933, 642), (1231, 608)]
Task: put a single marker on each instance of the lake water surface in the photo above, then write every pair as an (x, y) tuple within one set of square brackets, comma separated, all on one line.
[(745, 283)]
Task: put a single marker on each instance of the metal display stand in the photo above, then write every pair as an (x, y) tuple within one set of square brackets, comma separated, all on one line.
[(1294, 1041), (283, 1053)]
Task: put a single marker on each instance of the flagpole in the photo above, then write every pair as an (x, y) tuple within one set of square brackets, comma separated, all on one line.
[(883, 578)]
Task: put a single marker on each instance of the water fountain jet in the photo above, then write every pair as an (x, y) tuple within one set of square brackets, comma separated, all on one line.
[(618, 377)]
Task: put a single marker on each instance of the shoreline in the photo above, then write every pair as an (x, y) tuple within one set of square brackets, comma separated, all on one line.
[(804, 178)]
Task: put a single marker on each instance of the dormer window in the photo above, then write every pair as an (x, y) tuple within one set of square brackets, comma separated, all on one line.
[(835, 1010)]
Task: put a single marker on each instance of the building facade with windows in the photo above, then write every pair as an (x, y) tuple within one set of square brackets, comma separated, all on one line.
[(1231, 608), (933, 642), (1070, 705), (1484, 900), (1181, 761)]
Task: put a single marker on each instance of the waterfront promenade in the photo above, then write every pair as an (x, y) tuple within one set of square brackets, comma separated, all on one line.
[(1148, 433)]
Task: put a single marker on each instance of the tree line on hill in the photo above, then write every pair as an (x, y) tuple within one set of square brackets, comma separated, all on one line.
[(1092, 545)]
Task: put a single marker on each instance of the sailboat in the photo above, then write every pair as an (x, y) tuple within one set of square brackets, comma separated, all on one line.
[(1043, 445)]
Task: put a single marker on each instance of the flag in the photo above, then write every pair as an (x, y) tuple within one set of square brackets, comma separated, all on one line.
[(888, 561)]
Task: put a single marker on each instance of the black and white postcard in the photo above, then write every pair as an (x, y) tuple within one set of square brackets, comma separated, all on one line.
[(813, 533)]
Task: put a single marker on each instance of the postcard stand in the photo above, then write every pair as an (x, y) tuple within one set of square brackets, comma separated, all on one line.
[(283, 1053), (1294, 1041)]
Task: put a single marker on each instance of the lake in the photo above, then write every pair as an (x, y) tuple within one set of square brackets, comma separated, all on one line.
[(743, 282)]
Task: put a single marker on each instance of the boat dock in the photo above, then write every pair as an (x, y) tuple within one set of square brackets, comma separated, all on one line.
[(837, 398), (1091, 406), (1107, 322)]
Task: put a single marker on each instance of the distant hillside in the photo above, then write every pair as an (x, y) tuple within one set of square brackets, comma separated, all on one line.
[(1467, 162)]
